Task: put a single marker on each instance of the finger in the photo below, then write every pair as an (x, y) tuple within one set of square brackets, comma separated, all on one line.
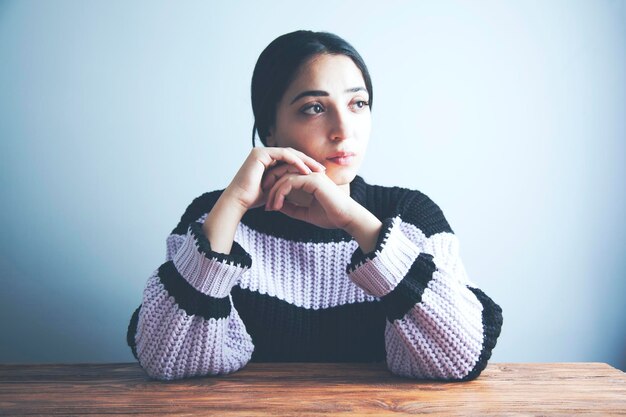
[(274, 174), (312, 163), (297, 158), (270, 157), (284, 185), (292, 158), (301, 190), (269, 201), (299, 197), (295, 193), (280, 196), (296, 212)]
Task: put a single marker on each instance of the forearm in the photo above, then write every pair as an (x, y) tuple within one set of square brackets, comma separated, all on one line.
[(438, 325), (364, 228), (221, 223), (194, 283)]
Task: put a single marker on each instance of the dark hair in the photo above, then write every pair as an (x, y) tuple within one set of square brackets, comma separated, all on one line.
[(278, 64)]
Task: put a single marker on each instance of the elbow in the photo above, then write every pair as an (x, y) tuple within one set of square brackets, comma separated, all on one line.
[(160, 374), (156, 369), (169, 368), (437, 371), (448, 360)]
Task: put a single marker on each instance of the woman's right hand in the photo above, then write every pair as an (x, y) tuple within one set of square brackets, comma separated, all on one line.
[(246, 188)]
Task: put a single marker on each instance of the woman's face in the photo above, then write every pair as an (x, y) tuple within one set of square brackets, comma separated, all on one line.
[(325, 114)]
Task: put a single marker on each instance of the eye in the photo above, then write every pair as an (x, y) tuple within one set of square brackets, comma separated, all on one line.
[(360, 104), (313, 109)]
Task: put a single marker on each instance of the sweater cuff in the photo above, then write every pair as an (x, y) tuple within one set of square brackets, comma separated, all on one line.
[(381, 270), (207, 271)]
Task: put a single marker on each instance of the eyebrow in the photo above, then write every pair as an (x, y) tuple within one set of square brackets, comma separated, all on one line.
[(320, 93)]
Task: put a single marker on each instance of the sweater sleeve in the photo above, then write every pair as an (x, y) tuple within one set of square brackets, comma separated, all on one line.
[(187, 325), (439, 324)]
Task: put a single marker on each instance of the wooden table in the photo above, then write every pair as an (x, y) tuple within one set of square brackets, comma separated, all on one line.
[(309, 389)]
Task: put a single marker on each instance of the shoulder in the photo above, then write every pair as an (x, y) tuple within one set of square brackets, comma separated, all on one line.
[(412, 206), (196, 209)]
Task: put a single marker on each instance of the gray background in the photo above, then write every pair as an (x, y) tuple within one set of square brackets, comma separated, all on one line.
[(114, 115)]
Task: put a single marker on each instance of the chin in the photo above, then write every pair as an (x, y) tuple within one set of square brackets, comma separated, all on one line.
[(342, 177)]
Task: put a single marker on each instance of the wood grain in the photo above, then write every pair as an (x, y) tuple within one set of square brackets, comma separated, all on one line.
[(504, 389)]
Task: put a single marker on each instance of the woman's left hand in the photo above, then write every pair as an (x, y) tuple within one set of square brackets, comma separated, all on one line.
[(330, 207)]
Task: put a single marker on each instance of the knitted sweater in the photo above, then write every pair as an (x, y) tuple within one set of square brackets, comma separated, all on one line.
[(293, 292)]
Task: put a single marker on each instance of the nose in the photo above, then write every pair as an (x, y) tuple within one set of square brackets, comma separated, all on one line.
[(340, 125)]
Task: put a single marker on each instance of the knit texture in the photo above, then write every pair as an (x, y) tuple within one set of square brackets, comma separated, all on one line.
[(291, 291)]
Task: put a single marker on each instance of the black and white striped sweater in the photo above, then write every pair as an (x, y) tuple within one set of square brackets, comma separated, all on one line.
[(293, 292)]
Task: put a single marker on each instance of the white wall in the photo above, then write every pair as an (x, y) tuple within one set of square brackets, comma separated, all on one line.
[(510, 115)]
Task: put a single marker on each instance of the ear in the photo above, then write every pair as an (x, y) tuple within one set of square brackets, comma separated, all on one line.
[(269, 139)]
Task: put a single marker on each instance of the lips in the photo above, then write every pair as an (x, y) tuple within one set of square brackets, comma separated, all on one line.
[(342, 158), (341, 154)]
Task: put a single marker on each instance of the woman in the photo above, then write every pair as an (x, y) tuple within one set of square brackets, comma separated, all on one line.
[(299, 259)]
